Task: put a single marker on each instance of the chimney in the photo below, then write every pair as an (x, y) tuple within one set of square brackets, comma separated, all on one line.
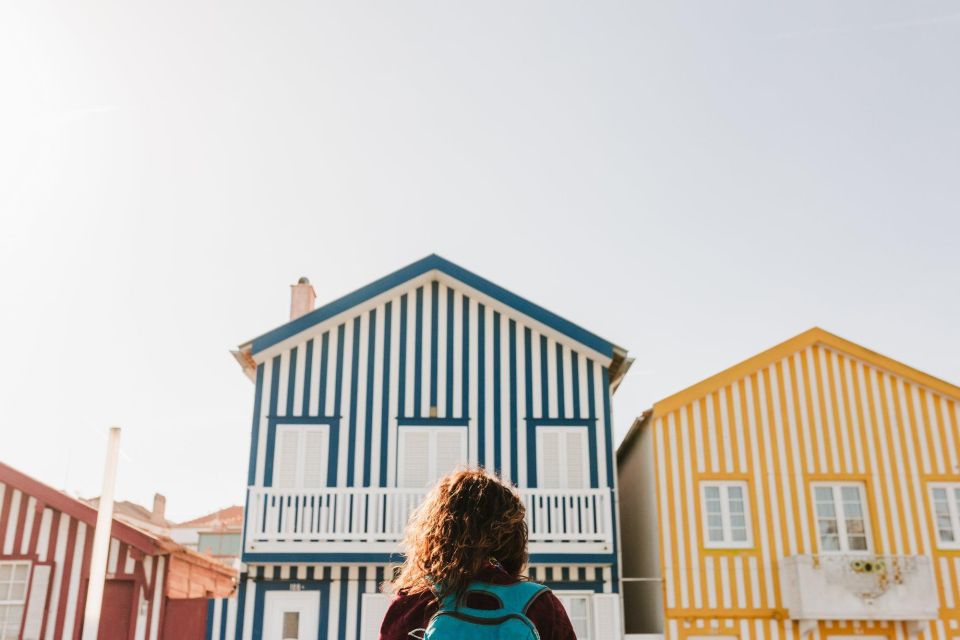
[(302, 298), (159, 507)]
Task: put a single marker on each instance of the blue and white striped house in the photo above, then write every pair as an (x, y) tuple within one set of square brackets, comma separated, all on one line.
[(362, 403)]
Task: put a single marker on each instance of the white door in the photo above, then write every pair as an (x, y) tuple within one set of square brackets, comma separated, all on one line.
[(291, 615)]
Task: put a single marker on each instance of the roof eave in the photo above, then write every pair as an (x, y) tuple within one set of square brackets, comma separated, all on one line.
[(639, 423), (244, 357), (816, 335), (619, 367), (187, 554), (416, 269), (64, 503)]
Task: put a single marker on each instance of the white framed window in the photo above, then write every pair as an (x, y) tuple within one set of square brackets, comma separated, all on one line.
[(840, 509), (563, 460), (426, 454), (300, 456), (578, 607), (725, 507), (945, 499), (14, 577)]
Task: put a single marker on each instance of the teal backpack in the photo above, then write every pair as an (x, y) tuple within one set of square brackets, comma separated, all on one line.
[(455, 621)]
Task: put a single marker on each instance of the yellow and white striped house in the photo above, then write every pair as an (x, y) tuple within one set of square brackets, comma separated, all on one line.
[(812, 491)]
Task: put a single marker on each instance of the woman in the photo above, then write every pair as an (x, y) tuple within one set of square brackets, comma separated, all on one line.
[(465, 546)]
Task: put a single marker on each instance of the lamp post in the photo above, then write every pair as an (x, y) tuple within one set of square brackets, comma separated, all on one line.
[(101, 540)]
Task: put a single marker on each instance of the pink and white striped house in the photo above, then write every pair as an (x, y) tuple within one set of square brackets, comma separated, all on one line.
[(155, 588)]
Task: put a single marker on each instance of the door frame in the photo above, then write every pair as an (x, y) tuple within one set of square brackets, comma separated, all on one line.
[(290, 585)]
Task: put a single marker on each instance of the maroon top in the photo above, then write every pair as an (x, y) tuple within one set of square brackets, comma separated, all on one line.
[(407, 613)]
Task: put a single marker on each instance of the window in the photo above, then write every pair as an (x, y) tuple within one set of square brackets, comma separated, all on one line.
[(562, 458), (841, 517), (291, 615), (725, 515), (425, 454), (300, 458), (219, 544), (578, 610), (13, 594), (291, 625), (946, 513)]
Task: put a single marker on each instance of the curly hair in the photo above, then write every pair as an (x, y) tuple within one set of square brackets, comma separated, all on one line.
[(468, 519)]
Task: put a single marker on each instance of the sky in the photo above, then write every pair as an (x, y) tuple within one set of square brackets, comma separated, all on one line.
[(695, 181)]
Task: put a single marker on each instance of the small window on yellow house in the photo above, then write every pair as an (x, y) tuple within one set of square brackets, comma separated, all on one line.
[(841, 517), (945, 498), (726, 515)]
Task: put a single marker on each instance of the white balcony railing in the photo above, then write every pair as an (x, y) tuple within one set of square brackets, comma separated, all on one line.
[(568, 515), (858, 587), (373, 519)]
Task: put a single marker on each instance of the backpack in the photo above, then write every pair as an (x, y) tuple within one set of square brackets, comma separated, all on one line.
[(455, 621)]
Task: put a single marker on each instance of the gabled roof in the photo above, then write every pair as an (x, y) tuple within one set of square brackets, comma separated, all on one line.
[(425, 265), (60, 501), (225, 518), (806, 339), (144, 541), (639, 424), (131, 511)]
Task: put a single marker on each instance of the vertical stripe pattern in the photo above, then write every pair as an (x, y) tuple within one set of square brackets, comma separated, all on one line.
[(453, 356), (30, 530), (432, 352), (342, 589), (815, 415)]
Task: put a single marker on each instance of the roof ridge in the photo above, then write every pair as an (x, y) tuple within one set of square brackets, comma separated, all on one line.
[(418, 268), (814, 335), (75, 507)]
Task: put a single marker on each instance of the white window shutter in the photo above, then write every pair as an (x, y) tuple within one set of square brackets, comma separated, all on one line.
[(549, 463), (414, 462), (606, 616), (33, 619), (315, 458), (449, 453), (576, 459), (562, 458), (287, 458), (373, 608)]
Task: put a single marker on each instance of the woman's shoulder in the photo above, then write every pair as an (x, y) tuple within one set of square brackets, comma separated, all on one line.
[(403, 602), (547, 614), (407, 611)]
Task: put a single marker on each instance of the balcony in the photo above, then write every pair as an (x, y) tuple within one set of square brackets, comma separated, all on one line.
[(858, 587), (372, 519)]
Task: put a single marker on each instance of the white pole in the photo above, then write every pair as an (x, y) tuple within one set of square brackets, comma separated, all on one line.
[(101, 540)]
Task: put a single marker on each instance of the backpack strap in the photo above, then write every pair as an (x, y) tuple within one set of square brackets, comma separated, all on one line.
[(513, 599)]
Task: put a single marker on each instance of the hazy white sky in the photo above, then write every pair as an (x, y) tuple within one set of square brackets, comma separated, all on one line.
[(695, 181)]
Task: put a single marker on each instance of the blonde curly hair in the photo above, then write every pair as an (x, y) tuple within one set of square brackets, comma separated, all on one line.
[(468, 519)]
